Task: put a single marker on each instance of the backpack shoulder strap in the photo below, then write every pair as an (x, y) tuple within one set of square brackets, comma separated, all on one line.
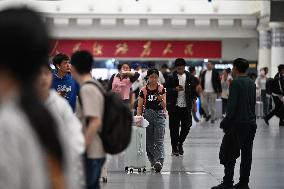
[(144, 90), (101, 89), (109, 87)]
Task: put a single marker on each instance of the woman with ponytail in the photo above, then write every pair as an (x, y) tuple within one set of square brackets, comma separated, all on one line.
[(31, 154)]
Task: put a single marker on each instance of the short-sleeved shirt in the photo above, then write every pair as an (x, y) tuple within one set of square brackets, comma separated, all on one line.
[(92, 106), (67, 87), (151, 99), (122, 87)]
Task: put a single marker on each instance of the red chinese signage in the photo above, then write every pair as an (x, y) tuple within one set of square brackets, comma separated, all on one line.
[(140, 48)]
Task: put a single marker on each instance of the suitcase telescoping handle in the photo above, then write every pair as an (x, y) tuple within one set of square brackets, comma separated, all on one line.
[(140, 149)]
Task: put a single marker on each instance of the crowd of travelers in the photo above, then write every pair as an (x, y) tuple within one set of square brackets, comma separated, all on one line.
[(52, 121)]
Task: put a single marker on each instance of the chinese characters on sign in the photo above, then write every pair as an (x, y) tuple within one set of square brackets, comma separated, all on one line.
[(97, 49), (188, 49), (168, 49), (121, 48), (76, 47), (140, 48), (147, 49)]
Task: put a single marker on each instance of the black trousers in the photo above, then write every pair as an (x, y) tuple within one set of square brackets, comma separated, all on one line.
[(246, 134), (179, 118), (224, 105), (278, 110)]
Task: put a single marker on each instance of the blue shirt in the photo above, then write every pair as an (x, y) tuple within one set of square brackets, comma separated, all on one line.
[(66, 87)]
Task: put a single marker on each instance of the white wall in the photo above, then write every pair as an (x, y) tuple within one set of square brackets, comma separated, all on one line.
[(143, 6), (240, 48)]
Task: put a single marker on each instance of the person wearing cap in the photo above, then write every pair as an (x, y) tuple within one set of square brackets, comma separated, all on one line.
[(181, 93), (153, 98), (277, 95)]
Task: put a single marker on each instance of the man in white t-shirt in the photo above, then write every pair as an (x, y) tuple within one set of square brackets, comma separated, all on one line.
[(211, 85), (90, 113), (181, 92)]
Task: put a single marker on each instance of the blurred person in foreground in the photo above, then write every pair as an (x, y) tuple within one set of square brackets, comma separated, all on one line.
[(239, 126), (31, 152), (70, 128)]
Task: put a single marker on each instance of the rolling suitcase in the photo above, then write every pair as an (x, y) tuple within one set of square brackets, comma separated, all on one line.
[(259, 109), (135, 154)]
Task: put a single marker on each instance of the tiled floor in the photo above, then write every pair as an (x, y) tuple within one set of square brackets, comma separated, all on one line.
[(199, 168)]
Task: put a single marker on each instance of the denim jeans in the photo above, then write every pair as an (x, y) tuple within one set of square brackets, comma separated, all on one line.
[(93, 171), (155, 135)]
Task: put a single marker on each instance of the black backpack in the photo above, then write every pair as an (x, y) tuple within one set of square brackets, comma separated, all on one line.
[(117, 122), (269, 86)]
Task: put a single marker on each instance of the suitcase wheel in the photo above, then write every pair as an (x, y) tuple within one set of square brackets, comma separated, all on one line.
[(104, 180), (144, 170), (126, 169), (131, 170), (139, 170)]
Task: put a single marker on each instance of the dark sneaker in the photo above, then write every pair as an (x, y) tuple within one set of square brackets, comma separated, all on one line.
[(208, 117), (175, 152), (152, 166), (241, 186), (212, 121), (223, 186), (180, 149), (158, 167)]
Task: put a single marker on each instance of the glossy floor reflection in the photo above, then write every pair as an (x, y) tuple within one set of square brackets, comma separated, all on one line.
[(199, 168)]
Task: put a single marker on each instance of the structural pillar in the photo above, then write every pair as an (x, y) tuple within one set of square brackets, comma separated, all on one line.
[(277, 48), (264, 51)]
